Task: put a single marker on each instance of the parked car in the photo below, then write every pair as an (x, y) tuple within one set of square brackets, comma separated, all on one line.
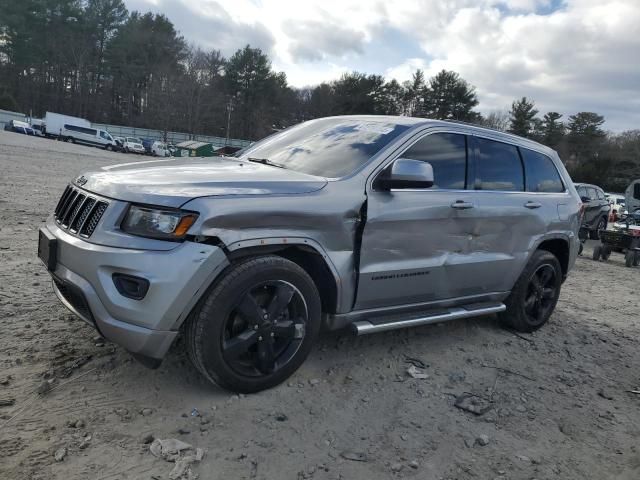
[(119, 146), (88, 136), (596, 208), (632, 197), (17, 126), (159, 149), (38, 127), (368, 222), (147, 144), (133, 144)]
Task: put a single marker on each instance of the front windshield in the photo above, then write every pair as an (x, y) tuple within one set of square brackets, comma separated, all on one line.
[(328, 147), (133, 140)]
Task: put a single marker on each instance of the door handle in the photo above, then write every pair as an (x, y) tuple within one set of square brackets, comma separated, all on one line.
[(461, 205), (532, 205)]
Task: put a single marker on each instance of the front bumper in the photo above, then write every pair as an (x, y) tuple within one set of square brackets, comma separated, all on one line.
[(82, 280)]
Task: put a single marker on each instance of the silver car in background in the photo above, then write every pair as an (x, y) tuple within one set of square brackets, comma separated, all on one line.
[(367, 222)]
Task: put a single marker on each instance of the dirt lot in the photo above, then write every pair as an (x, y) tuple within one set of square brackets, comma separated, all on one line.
[(559, 400)]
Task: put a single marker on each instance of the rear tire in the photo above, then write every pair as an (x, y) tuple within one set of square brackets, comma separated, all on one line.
[(631, 259), (535, 294), (597, 252), (602, 225), (256, 325)]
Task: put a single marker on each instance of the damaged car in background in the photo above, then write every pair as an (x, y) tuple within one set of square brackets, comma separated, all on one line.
[(368, 222)]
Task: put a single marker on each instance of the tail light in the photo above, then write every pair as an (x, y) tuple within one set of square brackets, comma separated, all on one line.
[(581, 205)]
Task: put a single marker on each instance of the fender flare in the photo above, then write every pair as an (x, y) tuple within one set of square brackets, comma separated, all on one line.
[(284, 242)]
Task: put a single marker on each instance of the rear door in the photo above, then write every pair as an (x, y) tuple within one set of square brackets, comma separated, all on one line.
[(511, 218)]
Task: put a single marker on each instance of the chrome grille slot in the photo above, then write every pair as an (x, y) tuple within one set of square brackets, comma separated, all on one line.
[(73, 210), (63, 199), (82, 215), (68, 203), (91, 223), (78, 212)]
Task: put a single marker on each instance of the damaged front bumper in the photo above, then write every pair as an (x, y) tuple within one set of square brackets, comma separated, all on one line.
[(83, 280)]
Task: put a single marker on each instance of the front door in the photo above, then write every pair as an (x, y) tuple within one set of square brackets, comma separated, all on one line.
[(418, 245)]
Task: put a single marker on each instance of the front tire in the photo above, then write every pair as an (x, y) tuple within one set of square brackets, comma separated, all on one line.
[(535, 294), (256, 325)]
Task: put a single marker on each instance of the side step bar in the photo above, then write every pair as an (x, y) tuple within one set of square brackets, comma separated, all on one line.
[(363, 327)]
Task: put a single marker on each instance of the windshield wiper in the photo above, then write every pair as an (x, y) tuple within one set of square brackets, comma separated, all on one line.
[(265, 161)]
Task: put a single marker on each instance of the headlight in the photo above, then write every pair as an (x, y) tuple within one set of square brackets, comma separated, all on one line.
[(158, 223)]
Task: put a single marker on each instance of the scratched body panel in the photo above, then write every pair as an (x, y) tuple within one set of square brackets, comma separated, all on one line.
[(325, 220)]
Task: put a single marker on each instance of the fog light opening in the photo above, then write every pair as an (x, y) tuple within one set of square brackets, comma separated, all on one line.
[(130, 286)]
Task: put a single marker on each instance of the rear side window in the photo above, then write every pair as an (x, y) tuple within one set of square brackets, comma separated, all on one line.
[(540, 172), (447, 154), (498, 166)]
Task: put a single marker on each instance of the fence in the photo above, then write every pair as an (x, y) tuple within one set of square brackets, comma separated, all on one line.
[(172, 137)]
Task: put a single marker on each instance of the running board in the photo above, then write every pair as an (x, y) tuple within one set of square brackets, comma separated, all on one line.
[(364, 327)]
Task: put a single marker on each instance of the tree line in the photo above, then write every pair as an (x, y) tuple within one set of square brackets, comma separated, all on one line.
[(95, 59)]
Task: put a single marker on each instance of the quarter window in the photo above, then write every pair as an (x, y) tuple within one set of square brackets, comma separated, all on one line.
[(447, 154), (540, 172), (498, 166)]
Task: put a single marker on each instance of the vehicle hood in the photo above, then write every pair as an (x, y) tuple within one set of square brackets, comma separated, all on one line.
[(173, 182)]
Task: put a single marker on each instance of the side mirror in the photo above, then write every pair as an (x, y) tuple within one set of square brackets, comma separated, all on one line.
[(585, 199), (407, 173)]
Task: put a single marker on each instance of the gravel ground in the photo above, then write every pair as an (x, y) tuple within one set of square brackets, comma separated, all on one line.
[(558, 400)]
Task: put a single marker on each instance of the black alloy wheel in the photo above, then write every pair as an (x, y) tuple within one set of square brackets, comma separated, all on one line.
[(541, 294), (265, 329), (255, 325), (534, 296)]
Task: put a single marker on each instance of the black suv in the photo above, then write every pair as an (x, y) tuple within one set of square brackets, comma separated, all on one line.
[(596, 208)]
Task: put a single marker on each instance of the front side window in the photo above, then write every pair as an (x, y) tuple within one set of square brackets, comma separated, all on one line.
[(498, 166), (600, 194), (447, 154), (592, 193), (328, 147), (540, 172)]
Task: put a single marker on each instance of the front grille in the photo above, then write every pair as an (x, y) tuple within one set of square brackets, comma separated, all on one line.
[(78, 212), (75, 297)]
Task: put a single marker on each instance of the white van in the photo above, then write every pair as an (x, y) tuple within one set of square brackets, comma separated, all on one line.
[(160, 149), (88, 136)]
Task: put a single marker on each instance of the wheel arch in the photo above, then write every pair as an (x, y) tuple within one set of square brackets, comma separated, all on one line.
[(303, 252), (559, 247)]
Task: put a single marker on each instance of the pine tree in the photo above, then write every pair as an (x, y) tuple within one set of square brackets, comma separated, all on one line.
[(521, 117)]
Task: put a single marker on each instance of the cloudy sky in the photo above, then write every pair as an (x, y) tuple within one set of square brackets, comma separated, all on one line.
[(567, 55)]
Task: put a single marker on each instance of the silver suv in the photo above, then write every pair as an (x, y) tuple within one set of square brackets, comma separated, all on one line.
[(370, 222)]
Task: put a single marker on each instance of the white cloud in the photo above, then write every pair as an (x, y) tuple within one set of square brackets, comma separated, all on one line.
[(568, 55)]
